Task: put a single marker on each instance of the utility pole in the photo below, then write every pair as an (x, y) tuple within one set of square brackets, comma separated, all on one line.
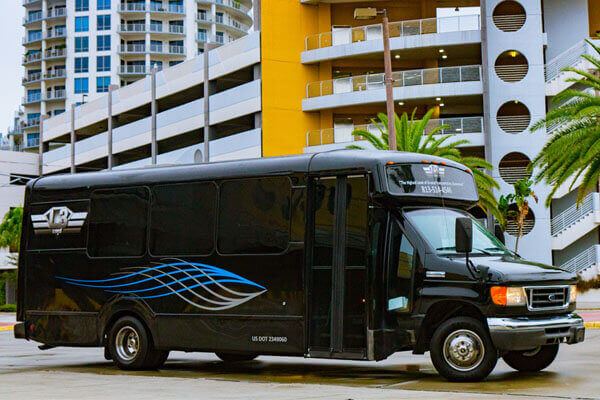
[(372, 13)]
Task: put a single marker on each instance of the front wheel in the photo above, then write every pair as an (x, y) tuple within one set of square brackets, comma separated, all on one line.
[(532, 360), (462, 350)]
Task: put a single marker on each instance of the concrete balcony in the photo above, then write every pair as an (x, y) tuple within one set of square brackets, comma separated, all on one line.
[(32, 78), (32, 2), (31, 99), (55, 74), (557, 80), (574, 222), (404, 35), (170, 50), (55, 54), (466, 128), (27, 40), (178, 30), (171, 9), (56, 34), (133, 28), (408, 85), (234, 7), (132, 70), (57, 13), (132, 49), (132, 8), (32, 58), (32, 18), (58, 94), (585, 263)]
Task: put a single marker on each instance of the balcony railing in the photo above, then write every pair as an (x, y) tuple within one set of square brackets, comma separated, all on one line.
[(574, 214), (232, 23), (55, 74), (583, 260), (132, 7), (231, 4), (56, 33), (421, 77), (568, 58), (397, 29), (55, 53), (57, 12), (58, 94), (171, 9), (159, 28), (31, 39), (31, 123), (32, 57), (33, 18), (133, 69), (132, 48), (27, 2), (32, 98), (32, 77), (177, 29), (133, 28), (457, 126)]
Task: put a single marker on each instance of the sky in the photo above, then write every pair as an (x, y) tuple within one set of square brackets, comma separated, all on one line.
[(11, 52)]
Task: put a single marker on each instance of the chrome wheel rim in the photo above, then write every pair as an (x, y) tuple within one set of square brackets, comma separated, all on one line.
[(532, 352), (464, 350), (127, 343)]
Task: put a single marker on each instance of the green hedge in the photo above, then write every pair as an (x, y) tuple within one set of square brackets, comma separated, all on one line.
[(8, 308)]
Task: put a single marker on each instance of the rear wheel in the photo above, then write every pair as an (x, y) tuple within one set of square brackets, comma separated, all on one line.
[(230, 357), (532, 360), (130, 346), (462, 350)]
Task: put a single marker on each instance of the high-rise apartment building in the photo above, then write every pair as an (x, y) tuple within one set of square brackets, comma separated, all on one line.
[(489, 69), (75, 49)]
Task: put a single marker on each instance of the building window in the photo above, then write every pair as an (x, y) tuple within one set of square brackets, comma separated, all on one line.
[(171, 63), (103, 5), (82, 43), (103, 42), (81, 64), (117, 224), (103, 63), (103, 23), (254, 216), (82, 5), (58, 112), (220, 37), (175, 206), (81, 85), (102, 83), (82, 24), (157, 64), (202, 35)]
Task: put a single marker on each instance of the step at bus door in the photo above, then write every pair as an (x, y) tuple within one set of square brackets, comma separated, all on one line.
[(338, 273)]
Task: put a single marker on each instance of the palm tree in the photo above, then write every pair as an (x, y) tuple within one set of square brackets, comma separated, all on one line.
[(10, 229), (574, 150), (520, 198), (411, 137)]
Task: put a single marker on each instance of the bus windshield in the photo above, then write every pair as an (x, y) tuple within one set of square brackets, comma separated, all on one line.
[(437, 226)]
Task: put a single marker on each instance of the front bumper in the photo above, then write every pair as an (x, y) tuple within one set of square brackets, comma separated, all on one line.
[(524, 333)]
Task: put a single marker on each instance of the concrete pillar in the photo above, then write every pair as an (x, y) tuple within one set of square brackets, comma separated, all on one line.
[(73, 138), (153, 108), (111, 89)]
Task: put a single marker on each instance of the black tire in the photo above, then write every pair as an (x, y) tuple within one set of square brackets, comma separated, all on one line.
[(532, 360), (130, 345), (230, 357), (470, 355)]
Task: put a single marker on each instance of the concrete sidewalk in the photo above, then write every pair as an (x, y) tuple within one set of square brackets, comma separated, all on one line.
[(7, 320)]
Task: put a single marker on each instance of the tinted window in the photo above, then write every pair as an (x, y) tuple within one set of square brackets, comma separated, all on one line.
[(254, 216), (118, 222), (183, 219)]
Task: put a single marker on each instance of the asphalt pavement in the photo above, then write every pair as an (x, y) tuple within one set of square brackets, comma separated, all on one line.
[(69, 373)]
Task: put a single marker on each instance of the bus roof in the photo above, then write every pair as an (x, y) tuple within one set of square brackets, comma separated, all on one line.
[(351, 161)]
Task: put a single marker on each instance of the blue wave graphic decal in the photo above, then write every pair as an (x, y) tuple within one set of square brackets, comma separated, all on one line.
[(204, 286)]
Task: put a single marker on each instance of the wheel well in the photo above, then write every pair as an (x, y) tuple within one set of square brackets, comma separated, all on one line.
[(438, 314), (120, 314)]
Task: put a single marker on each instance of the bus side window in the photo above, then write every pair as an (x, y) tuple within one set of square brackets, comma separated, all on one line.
[(118, 221), (400, 268)]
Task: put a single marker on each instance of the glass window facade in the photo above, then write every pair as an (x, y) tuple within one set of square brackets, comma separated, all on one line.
[(102, 83), (103, 63), (103, 22), (82, 44), (81, 64), (81, 85), (82, 24), (103, 42)]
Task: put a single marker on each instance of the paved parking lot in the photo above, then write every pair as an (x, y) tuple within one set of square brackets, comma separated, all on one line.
[(64, 373)]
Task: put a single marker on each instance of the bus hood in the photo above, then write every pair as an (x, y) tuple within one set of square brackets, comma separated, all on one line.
[(511, 269)]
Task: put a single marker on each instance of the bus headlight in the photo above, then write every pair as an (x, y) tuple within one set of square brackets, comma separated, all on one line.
[(573, 293), (508, 296)]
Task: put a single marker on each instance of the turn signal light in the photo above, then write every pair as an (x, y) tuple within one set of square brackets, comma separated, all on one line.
[(508, 296), (573, 293)]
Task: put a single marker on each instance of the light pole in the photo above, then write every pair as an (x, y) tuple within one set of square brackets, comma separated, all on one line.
[(372, 13)]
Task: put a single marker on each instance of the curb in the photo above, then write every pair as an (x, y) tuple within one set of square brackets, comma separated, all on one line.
[(6, 328), (588, 325)]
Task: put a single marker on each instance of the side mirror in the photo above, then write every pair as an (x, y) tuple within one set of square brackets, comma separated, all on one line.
[(464, 235), (499, 234)]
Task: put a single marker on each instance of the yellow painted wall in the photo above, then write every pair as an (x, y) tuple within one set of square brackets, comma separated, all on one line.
[(285, 26), (594, 12)]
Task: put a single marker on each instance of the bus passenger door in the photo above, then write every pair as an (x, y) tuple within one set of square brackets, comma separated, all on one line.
[(338, 273)]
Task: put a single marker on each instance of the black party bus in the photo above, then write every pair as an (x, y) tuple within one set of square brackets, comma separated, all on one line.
[(346, 254)]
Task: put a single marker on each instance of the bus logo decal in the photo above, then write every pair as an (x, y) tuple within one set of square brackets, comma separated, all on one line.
[(204, 286), (434, 171), (58, 220)]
